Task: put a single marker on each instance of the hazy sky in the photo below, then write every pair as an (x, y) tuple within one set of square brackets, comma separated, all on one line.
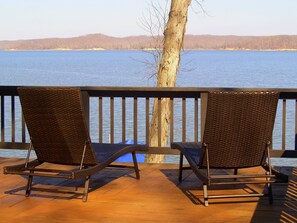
[(30, 19)]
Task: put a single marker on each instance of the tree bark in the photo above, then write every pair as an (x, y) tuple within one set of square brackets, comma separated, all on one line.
[(167, 72)]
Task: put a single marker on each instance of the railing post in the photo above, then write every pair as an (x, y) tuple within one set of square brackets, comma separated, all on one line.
[(171, 120), (100, 116), (2, 119), (123, 119), (295, 142), (196, 120), (111, 109), (86, 106), (184, 120), (135, 120), (203, 97), (147, 119), (284, 124), (12, 119), (159, 121)]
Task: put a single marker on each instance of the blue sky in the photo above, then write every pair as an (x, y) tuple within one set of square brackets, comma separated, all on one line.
[(31, 19)]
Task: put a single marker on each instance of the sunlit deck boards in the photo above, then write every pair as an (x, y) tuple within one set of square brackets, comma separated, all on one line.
[(157, 197)]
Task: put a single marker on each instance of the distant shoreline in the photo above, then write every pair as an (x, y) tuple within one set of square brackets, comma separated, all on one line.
[(277, 50), (191, 42)]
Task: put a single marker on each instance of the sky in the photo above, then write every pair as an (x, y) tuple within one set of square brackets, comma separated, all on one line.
[(33, 19)]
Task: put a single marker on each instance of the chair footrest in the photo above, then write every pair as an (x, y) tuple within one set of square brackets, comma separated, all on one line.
[(56, 190), (43, 174), (242, 182), (120, 166), (240, 176), (235, 196)]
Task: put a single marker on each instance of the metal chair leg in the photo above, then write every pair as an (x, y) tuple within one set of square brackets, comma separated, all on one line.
[(235, 173), (269, 188), (270, 193), (29, 185), (205, 195), (86, 189), (180, 174), (135, 165)]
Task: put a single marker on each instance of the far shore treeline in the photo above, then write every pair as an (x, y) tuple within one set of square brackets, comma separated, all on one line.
[(191, 42)]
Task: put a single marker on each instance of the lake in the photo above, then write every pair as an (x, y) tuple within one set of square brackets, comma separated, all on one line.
[(271, 69), (129, 68)]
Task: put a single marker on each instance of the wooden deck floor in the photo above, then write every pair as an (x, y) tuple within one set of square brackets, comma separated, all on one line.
[(157, 197)]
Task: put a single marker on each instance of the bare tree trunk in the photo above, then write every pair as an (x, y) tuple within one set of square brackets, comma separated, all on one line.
[(167, 73)]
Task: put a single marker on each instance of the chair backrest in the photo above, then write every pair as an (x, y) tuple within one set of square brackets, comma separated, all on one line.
[(55, 120), (238, 127)]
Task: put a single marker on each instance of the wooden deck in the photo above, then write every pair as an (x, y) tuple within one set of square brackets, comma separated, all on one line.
[(157, 197)]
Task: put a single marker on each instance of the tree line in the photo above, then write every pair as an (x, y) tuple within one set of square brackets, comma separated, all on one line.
[(191, 42)]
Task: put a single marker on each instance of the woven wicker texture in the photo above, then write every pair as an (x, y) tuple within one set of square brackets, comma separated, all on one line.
[(56, 124), (238, 126)]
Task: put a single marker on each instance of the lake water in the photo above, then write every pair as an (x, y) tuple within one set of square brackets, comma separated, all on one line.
[(130, 68)]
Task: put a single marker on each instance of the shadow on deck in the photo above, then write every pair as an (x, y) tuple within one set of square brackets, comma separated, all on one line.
[(117, 196)]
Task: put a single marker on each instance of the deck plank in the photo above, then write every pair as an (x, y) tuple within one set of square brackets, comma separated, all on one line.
[(157, 197)]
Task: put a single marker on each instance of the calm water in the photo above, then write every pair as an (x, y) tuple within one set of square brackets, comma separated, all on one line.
[(129, 68)]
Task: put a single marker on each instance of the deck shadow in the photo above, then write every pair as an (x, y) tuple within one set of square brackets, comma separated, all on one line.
[(285, 199), (98, 180), (191, 186)]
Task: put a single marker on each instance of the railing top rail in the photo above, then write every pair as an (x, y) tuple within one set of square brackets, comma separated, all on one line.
[(174, 92)]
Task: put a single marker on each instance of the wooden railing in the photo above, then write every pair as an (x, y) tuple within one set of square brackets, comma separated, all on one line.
[(116, 114)]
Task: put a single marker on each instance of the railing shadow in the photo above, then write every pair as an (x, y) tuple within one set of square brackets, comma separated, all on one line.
[(187, 185), (285, 200), (284, 208)]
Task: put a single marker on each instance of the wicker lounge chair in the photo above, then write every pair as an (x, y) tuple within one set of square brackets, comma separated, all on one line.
[(59, 135), (238, 134)]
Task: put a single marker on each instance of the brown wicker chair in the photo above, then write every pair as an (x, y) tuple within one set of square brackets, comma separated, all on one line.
[(238, 134), (59, 135)]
